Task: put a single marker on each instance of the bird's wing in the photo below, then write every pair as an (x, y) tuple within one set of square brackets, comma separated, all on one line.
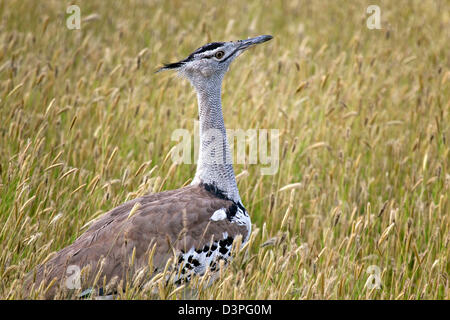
[(177, 221)]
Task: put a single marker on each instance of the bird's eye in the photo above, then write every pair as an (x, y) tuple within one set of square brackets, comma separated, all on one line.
[(219, 54)]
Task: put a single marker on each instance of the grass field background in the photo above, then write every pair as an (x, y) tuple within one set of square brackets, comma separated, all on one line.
[(363, 115)]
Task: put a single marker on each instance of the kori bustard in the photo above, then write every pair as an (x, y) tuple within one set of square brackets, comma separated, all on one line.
[(197, 223)]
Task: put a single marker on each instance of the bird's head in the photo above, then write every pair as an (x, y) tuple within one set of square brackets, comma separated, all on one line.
[(211, 61)]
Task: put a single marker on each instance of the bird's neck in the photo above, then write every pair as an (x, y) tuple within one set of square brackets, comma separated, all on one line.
[(214, 162)]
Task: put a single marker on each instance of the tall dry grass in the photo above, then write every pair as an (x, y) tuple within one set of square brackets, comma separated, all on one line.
[(363, 114)]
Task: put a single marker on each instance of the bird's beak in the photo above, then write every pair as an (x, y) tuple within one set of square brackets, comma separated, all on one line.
[(245, 44)]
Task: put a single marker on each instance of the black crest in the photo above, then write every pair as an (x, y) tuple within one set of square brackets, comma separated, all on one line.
[(173, 65), (206, 47)]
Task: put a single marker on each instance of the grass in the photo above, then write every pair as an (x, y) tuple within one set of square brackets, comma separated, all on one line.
[(363, 116)]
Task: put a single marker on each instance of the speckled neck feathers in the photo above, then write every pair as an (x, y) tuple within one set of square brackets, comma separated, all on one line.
[(214, 164)]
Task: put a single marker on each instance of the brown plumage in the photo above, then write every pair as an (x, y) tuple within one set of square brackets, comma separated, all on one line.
[(178, 219)]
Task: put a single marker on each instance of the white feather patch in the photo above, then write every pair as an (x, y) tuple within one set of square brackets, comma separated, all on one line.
[(219, 215)]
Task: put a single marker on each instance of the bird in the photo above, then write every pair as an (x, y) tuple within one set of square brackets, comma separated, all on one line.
[(196, 224)]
